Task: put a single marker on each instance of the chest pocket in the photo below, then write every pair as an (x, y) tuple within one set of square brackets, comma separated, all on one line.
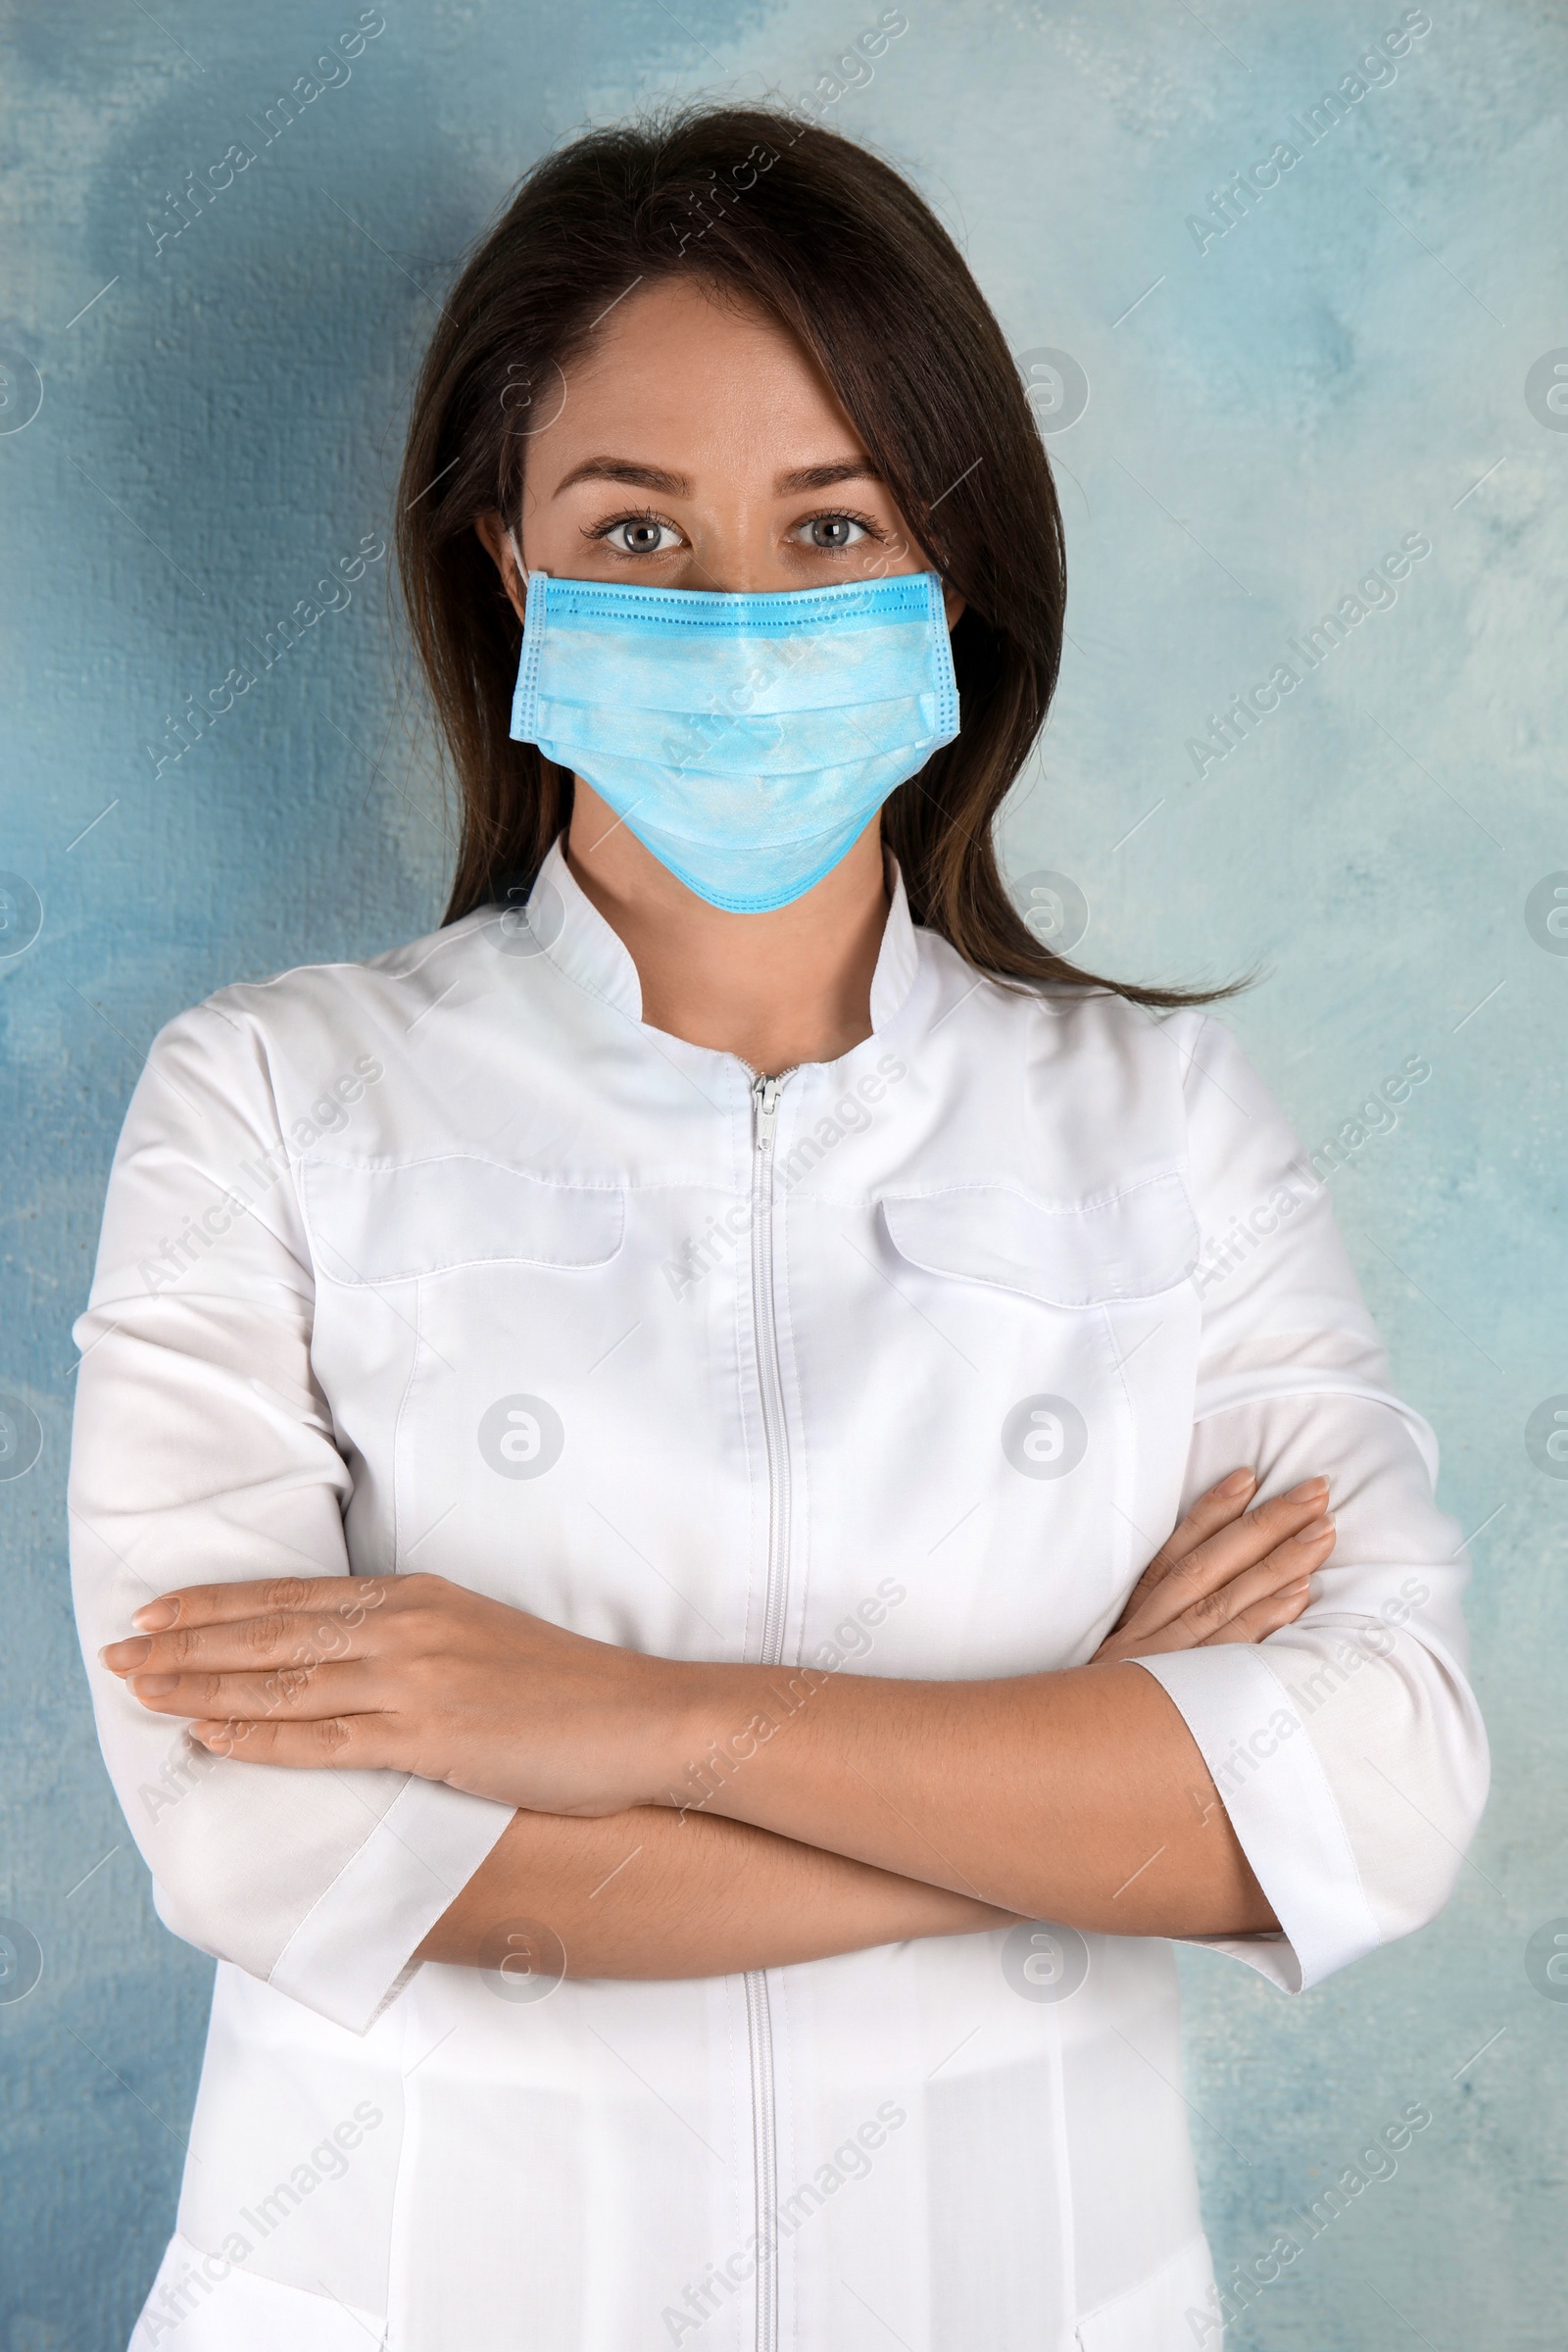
[(1128, 1245), (436, 1216)]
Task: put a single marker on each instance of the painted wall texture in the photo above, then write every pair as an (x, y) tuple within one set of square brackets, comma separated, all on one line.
[(1296, 329)]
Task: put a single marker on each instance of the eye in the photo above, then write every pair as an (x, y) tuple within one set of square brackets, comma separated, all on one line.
[(637, 535), (834, 530)]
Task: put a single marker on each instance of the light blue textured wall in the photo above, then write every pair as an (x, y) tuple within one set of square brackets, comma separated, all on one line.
[(1271, 411)]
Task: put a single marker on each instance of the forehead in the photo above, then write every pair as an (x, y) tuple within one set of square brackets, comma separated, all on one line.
[(687, 378)]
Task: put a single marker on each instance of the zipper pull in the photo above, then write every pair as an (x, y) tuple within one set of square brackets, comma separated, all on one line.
[(765, 1094)]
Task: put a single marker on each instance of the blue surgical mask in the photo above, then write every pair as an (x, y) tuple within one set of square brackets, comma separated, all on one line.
[(746, 740)]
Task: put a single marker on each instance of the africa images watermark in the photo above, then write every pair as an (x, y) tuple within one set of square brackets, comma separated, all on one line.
[(1373, 1641), (1223, 1253), (327, 2161), (1376, 2160), (849, 2161), (184, 1767), (189, 1762), (328, 1112), (198, 718), (851, 1114), (1245, 712), (185, 207), (854, 69), (1229, 206), (851, 1640)]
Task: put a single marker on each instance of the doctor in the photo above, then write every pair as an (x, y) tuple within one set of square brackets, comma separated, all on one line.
[(622, 1448)]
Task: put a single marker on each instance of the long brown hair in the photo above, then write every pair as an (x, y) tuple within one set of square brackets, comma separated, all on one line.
[(821, 235)]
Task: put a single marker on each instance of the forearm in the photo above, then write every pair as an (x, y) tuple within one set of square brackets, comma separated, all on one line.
[(1078, 1796), (652, 1892)]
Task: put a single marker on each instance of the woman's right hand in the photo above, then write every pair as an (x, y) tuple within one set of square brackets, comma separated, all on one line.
[(1226, 1573)]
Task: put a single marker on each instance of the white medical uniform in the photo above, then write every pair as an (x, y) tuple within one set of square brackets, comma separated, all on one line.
[(448, 1261)]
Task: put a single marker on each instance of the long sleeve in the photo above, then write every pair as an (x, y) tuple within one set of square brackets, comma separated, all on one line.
[(204, 1451), (1347, 1748)]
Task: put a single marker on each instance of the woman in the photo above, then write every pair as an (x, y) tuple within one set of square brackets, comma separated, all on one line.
[(743, 1313)]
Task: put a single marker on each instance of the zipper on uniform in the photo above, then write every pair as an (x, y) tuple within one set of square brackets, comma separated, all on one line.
[(764, 2156), (765, 1093), (764, 1096)]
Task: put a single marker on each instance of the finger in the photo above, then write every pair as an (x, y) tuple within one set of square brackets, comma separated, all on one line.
[(256, 1636), (222, 1604), (1222, 1504), (1211, 1511), (1291, 1561), (1267, 1616), (290, 1694), (342, 1741), (1238, 1547), (257, 1643)]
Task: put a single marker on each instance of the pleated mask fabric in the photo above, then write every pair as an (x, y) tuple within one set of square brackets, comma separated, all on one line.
[(746, 740)]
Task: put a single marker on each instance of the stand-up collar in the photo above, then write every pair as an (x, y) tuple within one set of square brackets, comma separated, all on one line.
[(578, 941), (899, 957)]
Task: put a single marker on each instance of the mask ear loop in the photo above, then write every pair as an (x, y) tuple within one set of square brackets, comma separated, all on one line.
[(523, 573)]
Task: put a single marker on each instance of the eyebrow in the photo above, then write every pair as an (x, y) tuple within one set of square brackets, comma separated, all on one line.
[(626, 470), (638, 476), (824, 477)]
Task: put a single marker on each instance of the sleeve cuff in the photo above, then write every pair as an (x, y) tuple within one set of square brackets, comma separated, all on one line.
[(352, 1952), (1273, 1786)]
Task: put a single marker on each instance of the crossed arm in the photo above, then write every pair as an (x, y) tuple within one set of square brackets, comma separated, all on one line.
[(678, 1819)]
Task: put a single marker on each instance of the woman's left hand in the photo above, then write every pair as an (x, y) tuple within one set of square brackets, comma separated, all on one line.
[(1226, 1574), (412, 1674)]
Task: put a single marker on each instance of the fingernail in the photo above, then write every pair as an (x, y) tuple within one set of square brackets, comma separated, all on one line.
[(1314, 1534), (1237, 1483), (154, 1685), (1307, 1488), (155, 1616), (132, 1653)]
